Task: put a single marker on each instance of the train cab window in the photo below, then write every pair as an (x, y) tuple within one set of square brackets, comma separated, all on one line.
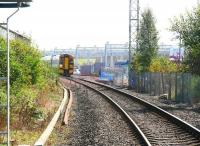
[(61, 61)]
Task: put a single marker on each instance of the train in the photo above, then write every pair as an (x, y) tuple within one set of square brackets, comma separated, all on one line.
[(66, 65)]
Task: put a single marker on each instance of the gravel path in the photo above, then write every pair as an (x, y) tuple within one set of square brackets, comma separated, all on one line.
[(93, 121)]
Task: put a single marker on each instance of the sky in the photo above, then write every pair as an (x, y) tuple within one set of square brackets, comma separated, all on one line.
[(68, 23)]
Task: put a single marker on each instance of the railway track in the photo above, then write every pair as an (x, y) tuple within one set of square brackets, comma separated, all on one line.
[(157, 126), (97, 122)]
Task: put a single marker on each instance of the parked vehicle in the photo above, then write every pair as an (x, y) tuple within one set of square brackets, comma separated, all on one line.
[(77, 72)]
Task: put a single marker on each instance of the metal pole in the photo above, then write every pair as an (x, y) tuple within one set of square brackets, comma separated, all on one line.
[(138, 23), (133, 30), (180, 49), (76, 55), (106, 45), (129, 48), (51, 61), (88, 58), (8, 78)]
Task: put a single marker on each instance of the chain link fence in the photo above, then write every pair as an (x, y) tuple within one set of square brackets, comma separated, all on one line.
[(181, 87)]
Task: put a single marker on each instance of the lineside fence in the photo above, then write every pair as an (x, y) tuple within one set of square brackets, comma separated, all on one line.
[(118, 76), (180, 87)]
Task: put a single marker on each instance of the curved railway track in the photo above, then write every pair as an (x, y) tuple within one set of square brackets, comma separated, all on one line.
[(156, 126), (101, 121)]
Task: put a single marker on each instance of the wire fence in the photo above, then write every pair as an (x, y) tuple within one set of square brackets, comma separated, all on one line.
[(181, 87)]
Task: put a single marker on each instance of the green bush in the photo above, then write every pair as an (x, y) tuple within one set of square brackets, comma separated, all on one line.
[(163, 65), (25, 104), (29, 76), (2, 101)]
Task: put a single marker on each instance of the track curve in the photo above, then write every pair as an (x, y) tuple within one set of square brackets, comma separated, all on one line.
[(159, 126)]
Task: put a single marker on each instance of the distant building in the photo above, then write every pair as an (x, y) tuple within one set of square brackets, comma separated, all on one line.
[(13, 35), (164, 52), (174, 53)]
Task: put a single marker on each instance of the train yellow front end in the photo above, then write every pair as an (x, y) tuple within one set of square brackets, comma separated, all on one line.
[(66, 65)]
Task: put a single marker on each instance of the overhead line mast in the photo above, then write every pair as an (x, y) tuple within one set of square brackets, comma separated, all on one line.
[(133, 31)]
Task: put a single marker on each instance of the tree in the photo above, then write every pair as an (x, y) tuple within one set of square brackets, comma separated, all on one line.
[(163, 65), (187, 26), (147, 42)]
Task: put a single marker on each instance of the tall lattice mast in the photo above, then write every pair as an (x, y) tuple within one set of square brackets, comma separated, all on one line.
[(133, 29)]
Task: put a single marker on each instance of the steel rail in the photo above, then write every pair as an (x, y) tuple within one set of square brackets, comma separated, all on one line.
[(130, 120), (186, 126)]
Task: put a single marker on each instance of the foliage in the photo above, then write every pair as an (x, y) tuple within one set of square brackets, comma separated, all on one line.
[(137, 63), (163, 65), (3, 57), (25, 100), (187, 28), (29, 76), (147, 42), (26, 66), (25, 136), (34, 94), (2, 101)]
